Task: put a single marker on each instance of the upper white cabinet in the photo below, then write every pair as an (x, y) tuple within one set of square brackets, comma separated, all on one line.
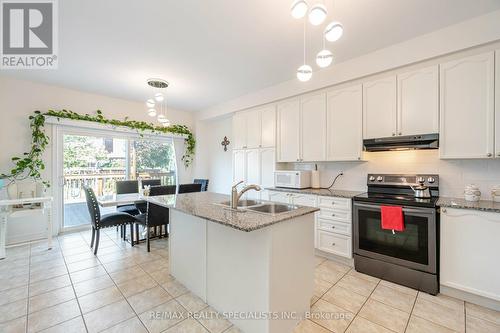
[(288, 116), (313, 127), (239, 166), (267, 163), (467, 107), (302, 129), (379, 108), (418, 101), (255, 128), (345, 124)]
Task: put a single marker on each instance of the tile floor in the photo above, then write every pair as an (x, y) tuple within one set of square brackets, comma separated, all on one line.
[(125, 289)]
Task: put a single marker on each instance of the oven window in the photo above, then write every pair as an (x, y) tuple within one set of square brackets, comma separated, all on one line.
[(410, 245)]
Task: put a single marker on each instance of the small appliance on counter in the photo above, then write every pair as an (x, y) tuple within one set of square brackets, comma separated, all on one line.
[(408, 255), (315, 177), (472, 193), (297, 179)]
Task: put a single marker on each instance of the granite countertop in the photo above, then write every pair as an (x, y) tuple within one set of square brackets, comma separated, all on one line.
[(315, 191), (205, 205), (483, 205)]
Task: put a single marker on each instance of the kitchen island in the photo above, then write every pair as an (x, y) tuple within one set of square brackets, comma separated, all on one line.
[(256, 268)]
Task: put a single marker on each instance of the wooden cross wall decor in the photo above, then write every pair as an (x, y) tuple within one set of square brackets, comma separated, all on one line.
[(225, 143)]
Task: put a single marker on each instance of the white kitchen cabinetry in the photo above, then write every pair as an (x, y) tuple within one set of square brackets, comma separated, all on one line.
[(255, 128), (418, 101), (313, 127), (345, 124), (469, 251), (497, 102), (288, 143), (467, 107), (302, 129), (254, 166), (379, 108), (239, 165), (333, 221)]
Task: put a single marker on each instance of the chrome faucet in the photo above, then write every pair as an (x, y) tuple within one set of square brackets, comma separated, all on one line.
[(235, 195)]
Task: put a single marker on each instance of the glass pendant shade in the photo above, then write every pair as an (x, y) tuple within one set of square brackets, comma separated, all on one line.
[(299, 9), (317, 14), (150, 103), (304, 73), (159, 97), (166, 123), (324, 58), (152, 112), (161, 118), (334, 31)]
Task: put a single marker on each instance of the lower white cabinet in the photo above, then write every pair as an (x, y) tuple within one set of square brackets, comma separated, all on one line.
[(333, 231), (470, 246)]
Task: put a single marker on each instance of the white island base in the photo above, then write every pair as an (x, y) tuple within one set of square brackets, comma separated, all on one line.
[(269, 271)]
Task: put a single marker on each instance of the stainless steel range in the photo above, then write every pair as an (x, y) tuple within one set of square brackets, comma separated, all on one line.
[(409, 257)]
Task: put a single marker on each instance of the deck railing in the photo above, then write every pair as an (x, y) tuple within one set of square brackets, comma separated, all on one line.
[(103, 181)]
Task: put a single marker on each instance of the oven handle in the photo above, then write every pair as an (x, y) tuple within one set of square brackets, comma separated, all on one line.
[(406, 210)]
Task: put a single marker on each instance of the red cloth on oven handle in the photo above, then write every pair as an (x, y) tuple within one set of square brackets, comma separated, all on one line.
[(392, 218)]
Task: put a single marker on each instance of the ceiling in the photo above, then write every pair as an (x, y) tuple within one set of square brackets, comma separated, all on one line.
[(214, 50)]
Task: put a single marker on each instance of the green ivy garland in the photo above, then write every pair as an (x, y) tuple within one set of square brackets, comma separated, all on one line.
[(31, 163)]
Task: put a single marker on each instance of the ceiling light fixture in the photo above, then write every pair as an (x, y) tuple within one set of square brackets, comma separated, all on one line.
[(304, 72), (317, 14), (299, 9), (333, 31), (324, 58), (159, 101)]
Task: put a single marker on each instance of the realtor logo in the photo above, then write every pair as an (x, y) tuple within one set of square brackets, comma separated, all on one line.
[(29, 34)]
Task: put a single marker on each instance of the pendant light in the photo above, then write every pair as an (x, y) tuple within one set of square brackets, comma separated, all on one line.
[(317, 14), (157, 105), (333, 31), (324, 57), (304, 72), (299, 9)]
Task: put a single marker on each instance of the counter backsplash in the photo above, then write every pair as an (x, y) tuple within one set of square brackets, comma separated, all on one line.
[(453, 174)]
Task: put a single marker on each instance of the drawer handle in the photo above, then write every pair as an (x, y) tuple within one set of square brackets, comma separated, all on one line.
[(333, 214), (333, 227), (333, 244), (333, 203)]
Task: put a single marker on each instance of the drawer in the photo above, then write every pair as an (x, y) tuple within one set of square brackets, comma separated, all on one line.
[(334, 243), (303, 200), (334, 226), (334, 214), (333, 202)]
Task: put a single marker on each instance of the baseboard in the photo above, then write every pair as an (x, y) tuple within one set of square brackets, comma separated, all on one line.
[(341, 260), (471, 298)]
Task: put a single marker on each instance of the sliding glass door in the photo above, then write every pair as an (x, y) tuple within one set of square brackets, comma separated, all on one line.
[(100, 161)]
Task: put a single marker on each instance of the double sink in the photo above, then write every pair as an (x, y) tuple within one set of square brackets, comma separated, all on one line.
[(270, 208)]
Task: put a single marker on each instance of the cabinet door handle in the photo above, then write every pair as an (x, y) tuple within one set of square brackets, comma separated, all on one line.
[(333, 244), (333, 203), (489, 154), (400, 133), (498, 154), (333, 227), (333, 214), (443, 210), (393, 134)]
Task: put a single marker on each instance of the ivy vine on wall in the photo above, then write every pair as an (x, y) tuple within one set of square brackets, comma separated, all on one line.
[(30, 164)]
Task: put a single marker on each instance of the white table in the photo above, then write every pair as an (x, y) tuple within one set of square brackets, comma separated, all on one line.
[(7, 208), (114, 200)]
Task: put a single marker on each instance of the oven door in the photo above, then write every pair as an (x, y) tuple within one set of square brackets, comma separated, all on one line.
[(415, 247)]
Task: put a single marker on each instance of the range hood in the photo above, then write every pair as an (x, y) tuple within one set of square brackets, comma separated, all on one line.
[(424, 141)]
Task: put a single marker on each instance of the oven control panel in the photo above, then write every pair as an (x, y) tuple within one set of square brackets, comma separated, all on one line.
[(430, 180)]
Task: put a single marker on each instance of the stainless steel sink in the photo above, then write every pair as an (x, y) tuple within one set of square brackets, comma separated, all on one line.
[(242, 203), (273, 208)]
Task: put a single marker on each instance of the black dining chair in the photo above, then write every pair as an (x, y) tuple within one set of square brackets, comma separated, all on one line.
[(126, 187), (188, 188), (203, 182), (156, 216), (109, 220)]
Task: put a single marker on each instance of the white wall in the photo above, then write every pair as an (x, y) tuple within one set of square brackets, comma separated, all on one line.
[(19, 98), (212, 161)]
